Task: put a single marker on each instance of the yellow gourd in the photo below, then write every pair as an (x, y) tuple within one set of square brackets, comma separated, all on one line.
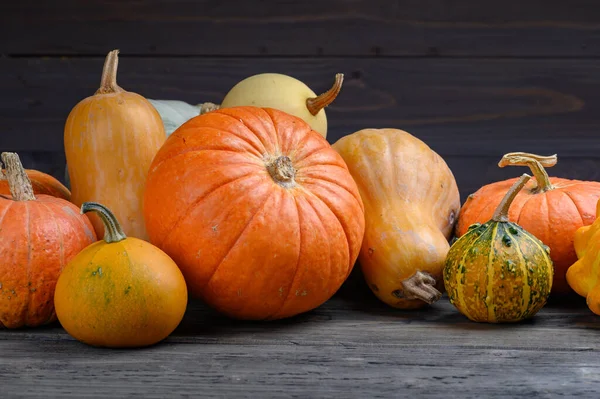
[(411, 202), (285, 93), (110, 140), (584, 275)]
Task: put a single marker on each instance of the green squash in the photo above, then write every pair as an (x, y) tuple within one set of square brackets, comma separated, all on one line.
[(497, 272)]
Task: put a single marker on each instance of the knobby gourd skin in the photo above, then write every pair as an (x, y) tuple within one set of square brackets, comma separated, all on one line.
[(110, 140), (411, 204), (550, 208), (38, 236), (498, 272), (120, 291), (282, 92), (258, 211), (584, 275)]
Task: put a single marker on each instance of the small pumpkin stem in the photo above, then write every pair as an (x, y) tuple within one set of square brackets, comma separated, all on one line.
[(18, 181), (208, 107), (108, 83), (419, 286), (316, 104), (282, 171), (501, 213), (112, 229), (536, 163)]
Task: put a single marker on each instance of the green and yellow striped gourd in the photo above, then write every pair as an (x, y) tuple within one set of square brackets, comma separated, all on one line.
[(497, 272)]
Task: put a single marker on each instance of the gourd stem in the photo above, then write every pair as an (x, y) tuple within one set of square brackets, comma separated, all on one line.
[(536, 163), (501, 213), (18, 181), (316, 104), (108, 83), (282, 171), (420, 286), (112, 229), (208, 107)]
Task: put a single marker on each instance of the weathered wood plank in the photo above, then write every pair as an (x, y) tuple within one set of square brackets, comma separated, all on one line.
[(331, 27), (50, 369), (363, 321), (459, 107)]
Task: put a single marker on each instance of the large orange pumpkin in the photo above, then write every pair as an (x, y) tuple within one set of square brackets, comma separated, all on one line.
[(38, 237), (258, 211), (42, 183), (550, 208)]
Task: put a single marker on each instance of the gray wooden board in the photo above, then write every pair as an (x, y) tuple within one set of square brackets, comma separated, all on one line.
[(352, 346), (459, 107), (312, 27)]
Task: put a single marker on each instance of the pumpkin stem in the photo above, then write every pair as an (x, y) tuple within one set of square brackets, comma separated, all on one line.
[(108, 83), (419, 286), (18, 181), (282, 171), (208, 107), (536, 163), (501, 213), (316, 104), (112, 229)]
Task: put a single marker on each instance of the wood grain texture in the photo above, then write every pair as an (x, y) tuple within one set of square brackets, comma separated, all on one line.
[(307, 28), (353, 346), (459, 107)]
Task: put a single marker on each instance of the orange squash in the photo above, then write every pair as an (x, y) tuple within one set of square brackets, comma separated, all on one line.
[(120, 291), (41, 183), (38, 236), (550, 208), (258, 211), (110, 140), (411, 204)]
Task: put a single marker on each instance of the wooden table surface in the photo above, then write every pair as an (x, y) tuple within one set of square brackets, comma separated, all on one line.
[(352, 346)]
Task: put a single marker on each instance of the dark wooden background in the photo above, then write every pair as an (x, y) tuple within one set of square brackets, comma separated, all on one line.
[(473, 79)]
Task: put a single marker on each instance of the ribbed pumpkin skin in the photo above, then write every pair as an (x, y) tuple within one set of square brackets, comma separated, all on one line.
[(37, 239), (497, 272), (552, 216), (411, 204), (110, 141), (248, 246), (42, 183)]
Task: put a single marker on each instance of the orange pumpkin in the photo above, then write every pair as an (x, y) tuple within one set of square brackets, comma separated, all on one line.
[(120, 291), (258, 211), (38, 236), (550, 208), (110, 140), (42, 183)]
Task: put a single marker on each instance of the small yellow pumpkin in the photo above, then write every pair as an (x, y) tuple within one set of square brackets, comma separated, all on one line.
[(120, 291), (584, 275), (498, 272)]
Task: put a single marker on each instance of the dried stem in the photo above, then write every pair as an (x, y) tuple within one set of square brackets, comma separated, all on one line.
[(316, 104), (536, 163), (501, 214), (108, 83), (420, 286), (18, 181)]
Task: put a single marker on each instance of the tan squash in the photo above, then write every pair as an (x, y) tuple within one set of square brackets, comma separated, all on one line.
[(110, 140), (411, 203)]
